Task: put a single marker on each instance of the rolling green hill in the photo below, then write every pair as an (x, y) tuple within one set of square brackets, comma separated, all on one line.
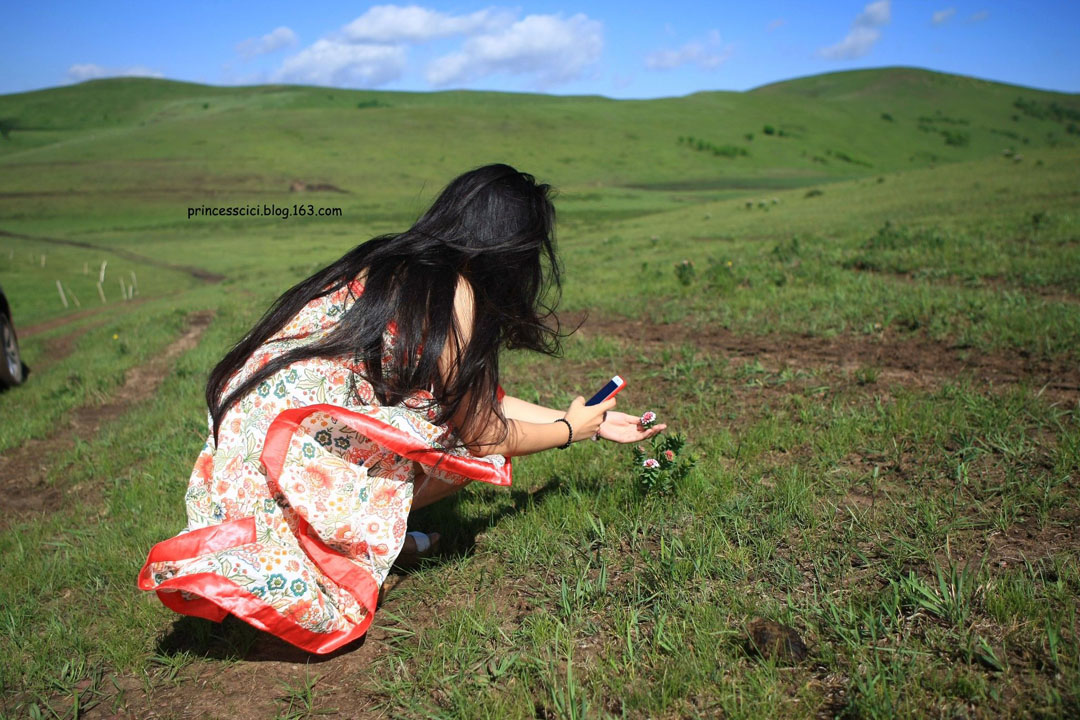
[(129, 151)]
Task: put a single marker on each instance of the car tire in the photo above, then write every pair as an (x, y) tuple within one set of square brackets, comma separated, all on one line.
[(12, 370)]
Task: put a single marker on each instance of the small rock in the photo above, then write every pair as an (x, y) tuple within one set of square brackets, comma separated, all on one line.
[(774, 641)]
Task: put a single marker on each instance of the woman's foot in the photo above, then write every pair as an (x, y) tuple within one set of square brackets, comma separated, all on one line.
[(417, 545)]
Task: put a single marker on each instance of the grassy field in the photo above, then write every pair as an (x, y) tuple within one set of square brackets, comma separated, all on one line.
[(866, 326)]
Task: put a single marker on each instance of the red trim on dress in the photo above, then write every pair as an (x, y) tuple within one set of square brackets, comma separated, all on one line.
[(287, 422), (216, 596)]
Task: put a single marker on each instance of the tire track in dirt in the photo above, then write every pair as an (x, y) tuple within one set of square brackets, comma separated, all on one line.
[(24, 470), (195, 272), (56, 349), (46, 325)]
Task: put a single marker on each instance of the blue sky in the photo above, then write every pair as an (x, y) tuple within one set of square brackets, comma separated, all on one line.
[(617, 49)]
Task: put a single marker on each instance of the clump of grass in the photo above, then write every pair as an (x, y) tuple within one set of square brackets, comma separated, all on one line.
[(788, 250), (867, 375), (298, 701), (843, 156), (894, 237)]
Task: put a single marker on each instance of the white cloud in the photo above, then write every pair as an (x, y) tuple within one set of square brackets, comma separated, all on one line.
[(864, 33), (373, 49), (707, 55), (330, 62), (943, 16), (549, 48), (776, 24), (90, 71), (979, 16), (275, 40), (414, 24), (875, 14)]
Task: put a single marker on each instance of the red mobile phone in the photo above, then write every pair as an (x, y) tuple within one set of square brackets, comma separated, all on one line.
[(608, 391)]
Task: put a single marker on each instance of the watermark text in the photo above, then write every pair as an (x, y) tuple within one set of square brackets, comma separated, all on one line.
[(264, 210)]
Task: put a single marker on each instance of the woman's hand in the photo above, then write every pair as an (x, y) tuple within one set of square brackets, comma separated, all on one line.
[(586, 419), (622, 428)]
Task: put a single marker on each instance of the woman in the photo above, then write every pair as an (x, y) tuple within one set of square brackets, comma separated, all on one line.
[(368, 389)]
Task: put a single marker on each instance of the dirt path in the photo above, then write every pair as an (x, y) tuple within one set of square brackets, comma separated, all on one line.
[(24, 470), (28, 331), (57, 348), (195, 272)]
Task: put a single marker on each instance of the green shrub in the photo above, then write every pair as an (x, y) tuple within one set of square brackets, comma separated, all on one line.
[(956, 138), (685, 272), (7, 125)]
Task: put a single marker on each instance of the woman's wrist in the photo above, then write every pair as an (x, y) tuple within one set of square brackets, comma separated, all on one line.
[(570, 432)]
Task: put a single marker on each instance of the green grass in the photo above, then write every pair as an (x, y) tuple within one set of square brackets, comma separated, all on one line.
[(918, 532)]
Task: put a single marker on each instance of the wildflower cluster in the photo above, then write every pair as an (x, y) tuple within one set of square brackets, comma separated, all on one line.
[(685, 271), (660, 468)]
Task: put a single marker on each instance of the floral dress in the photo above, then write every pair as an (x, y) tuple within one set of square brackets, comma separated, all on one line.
[(297, 512)]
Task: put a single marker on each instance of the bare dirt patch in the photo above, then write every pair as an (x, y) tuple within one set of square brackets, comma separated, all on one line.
[(301, 186), (1049, 292), (24, 470), (911, 360)]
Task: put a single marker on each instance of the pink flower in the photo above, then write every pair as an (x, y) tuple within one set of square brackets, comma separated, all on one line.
[(651, 463), (669, 455), (647, 419)]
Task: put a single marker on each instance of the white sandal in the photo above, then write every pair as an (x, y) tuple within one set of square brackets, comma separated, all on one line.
[(423, 542)]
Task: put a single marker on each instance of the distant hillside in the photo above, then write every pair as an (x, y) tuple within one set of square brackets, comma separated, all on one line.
[(116, 138)]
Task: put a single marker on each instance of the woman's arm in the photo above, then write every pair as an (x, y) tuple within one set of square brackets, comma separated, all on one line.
[(517, 409), (524, 437), (529, 428)]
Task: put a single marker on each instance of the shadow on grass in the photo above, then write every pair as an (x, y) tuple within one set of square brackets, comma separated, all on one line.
[(233, 639), (458, 534)]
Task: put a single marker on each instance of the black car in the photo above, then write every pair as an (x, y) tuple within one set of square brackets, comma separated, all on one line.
[(12, 370)]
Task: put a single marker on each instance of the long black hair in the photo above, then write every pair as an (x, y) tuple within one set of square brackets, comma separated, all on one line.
[(492, 227)]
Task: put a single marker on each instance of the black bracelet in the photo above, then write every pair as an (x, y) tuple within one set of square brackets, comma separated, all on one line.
[(568, 427)]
